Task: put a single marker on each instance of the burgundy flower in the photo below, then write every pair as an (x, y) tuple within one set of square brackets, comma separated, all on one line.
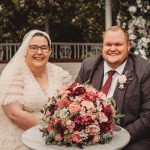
[(52, 108), (105, 127), (78, 91), (85, 120), (107, 110), (90, 138), (91, 96), (79, 127), (60, 128)]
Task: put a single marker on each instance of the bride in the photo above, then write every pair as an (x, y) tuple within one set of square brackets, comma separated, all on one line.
[(26, 83)]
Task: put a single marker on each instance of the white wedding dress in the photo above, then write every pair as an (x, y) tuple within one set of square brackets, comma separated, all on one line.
[(27, 91)]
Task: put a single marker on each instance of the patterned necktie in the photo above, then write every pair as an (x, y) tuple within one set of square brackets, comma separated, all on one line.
[(107, 84)]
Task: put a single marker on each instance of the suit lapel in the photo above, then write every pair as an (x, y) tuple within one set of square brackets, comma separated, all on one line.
[(98, 76), (120, 93)]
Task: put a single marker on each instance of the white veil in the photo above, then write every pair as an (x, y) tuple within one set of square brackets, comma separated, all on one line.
[(16, 63)]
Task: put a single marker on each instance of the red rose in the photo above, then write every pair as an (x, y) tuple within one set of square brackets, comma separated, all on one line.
[(107, 110)]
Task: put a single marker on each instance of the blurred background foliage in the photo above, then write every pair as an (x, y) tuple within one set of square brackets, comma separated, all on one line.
[(134, 16), (64, 20)]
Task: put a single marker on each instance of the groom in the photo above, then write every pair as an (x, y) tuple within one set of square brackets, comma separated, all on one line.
[(130, 85)]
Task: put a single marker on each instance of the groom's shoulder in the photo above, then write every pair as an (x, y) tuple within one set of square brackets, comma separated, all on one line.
[(91, 61), (140, 65), (138, 60)]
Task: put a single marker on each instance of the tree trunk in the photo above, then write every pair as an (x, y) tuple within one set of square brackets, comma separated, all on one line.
[(47, 23)]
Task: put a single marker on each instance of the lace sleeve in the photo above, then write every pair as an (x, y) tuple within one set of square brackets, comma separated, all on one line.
[(15, 90), (67, 79)]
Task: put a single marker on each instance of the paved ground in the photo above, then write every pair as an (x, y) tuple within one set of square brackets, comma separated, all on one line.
[(73, 68)]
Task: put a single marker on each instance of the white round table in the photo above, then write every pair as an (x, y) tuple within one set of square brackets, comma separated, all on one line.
[(32, 138)]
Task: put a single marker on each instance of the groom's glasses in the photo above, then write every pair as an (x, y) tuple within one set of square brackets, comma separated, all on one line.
[(35, 48)]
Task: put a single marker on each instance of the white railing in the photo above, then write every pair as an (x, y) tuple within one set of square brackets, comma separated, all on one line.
[(61, 51)]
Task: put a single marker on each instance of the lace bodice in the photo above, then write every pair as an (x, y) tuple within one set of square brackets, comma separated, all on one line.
[(26, 90)]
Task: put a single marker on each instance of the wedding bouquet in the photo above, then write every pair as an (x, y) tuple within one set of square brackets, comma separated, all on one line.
[(77, 116)]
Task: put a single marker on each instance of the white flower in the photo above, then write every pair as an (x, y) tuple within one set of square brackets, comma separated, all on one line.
[(73, 20), (118, 17), (1, 8), (68, 122), (132, 37), (143, 43), (140, 22), (63, 113), (142, 52), (121, 86), (148, 7), (124, 24), (130, 31), (138, 1), (140, 6), (136, 52), (132, 9), (142, 32), (133, 44), (144, 39)]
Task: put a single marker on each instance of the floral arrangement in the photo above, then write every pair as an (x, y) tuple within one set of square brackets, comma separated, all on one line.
[(124, 79), (135, 17), (78, 116)]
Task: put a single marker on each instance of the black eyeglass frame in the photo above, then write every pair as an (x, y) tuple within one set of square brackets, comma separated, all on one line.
[(35, 48)]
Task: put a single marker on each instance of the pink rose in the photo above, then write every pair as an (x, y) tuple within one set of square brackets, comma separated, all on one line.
[(55, 120), (63, 122), (91, 112), (76, 137), (96, 138), (83, 111), (80, 98), (71, 126), (58, 137), (93, 129), (63, 103), (74, 107), (91, 95), (122, 79), (103, 117), (88, 104)]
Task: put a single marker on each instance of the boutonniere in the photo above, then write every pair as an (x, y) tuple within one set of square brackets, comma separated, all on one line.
[(124, 79)]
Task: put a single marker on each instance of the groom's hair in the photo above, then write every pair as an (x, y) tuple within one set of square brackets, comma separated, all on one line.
[(116, 28)]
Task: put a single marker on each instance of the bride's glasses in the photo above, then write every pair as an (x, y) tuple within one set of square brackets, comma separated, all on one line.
[(35, 48)]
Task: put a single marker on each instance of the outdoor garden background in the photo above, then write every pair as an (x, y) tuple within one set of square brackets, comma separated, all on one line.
[(75, 21)]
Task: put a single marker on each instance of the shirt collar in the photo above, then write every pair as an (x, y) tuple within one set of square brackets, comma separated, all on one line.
[(119, 70)]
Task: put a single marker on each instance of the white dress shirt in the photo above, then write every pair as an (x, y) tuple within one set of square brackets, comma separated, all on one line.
[(115, 77)]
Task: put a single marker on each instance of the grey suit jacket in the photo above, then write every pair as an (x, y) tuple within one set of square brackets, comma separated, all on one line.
[(133, 101)]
